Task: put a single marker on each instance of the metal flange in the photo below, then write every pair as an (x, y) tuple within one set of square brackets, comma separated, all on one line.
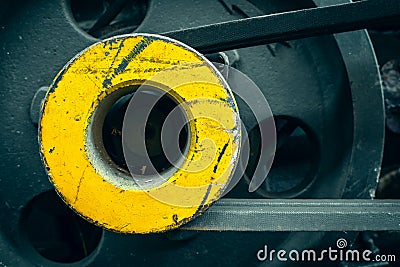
[(74, 155)]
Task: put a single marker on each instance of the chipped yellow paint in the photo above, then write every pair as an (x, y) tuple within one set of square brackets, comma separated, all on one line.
[(113, 64)]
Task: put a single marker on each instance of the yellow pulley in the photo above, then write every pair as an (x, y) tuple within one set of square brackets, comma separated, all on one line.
[(72, 147)]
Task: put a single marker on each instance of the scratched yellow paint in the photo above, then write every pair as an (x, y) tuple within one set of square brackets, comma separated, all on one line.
[(108, 66)]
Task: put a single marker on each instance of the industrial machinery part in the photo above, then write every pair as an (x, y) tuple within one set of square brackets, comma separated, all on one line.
[(324, 92), (300, 215), (88, 179)]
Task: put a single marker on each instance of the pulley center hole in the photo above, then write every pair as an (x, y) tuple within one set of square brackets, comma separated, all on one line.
[(147, 145)]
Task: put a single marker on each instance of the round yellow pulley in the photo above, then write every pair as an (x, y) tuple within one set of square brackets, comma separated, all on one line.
[(72, 144)]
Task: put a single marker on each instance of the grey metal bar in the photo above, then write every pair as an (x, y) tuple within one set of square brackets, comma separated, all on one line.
[(299, 215)]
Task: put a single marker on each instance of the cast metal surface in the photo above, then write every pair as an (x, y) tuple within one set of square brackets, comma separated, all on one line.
[(138, 201), (331, 84)]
